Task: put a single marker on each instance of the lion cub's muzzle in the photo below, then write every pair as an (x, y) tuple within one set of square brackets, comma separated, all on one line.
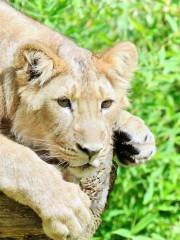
[(91, 152)]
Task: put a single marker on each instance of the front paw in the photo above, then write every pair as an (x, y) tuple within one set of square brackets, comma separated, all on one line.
[(134, 144), (67, 217)]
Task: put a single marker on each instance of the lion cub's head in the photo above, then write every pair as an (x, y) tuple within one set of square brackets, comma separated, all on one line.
[(68, 102)]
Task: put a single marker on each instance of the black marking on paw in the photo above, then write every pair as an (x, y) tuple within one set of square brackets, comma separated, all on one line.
[(126, 160), (131, 150), (124, 151), (145, 138), (122, 136)]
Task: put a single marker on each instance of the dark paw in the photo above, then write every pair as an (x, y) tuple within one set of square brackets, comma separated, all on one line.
[(124, 151)]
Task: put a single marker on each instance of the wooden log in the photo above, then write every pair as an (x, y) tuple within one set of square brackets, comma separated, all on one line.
[(18, 221)]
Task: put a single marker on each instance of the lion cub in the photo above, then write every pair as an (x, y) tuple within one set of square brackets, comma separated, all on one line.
[(70, 103)]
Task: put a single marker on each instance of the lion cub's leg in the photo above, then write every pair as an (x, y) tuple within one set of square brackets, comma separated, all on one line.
[(133, 141), (62, 206)]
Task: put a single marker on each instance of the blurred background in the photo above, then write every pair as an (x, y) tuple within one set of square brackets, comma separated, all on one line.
[(145, 202)]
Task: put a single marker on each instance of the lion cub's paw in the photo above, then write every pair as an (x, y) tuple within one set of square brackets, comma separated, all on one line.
[(68, 218), (134, 144)]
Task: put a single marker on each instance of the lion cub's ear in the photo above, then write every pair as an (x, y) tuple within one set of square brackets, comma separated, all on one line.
[(119, 62), (36, 64)]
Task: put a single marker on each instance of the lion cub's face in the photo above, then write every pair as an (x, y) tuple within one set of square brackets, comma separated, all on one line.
[(69, 108)]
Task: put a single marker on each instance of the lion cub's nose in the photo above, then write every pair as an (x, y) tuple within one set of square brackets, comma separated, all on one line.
[(90, 152)]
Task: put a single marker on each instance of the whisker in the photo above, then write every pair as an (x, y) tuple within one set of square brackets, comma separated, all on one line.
[(42, 141), (63, 164)]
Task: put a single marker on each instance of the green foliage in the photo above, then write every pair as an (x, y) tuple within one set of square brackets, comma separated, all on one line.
[(145, 203)]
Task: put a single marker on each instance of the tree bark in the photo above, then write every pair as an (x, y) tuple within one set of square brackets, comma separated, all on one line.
[(18, 221)]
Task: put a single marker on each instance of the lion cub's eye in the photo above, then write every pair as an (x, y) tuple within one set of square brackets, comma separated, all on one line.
[(64, 102), (106, 104)]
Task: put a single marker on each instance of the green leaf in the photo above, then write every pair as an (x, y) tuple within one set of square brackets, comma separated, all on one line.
[(137, 25), (172, 23), (143, 223), (141, 237), (149, 193), (123, 233), (156, 236)]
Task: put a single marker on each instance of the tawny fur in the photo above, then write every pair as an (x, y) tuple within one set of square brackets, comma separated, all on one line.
[(38, 66)]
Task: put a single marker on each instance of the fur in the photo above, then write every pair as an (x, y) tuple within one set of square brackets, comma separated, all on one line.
[(39, 67)]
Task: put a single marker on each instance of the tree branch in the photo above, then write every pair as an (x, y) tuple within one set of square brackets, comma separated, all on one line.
[(18, 221)]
